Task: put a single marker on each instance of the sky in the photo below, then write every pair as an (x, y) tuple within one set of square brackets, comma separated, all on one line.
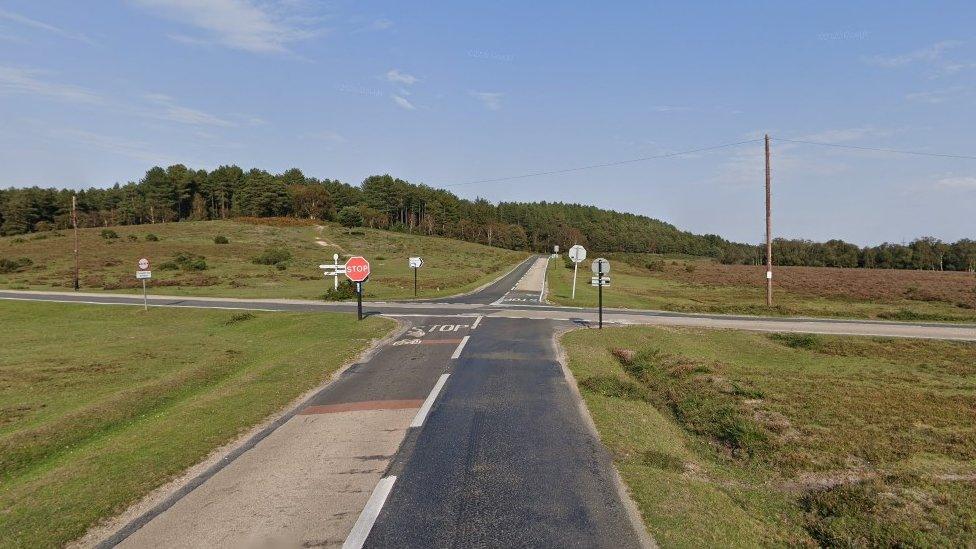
[(454, 93)]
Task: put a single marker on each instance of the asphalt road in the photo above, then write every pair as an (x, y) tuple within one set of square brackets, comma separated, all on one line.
[(460, 432)]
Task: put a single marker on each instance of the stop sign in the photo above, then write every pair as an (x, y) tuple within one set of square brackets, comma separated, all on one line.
[(357, 269)]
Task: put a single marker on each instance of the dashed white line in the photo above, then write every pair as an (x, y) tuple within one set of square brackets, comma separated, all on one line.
[(460, 347), (418, 420), (357, 537), (476, 322)]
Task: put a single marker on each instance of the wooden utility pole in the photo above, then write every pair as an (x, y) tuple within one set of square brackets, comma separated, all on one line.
[(74, 222), (769, 232)]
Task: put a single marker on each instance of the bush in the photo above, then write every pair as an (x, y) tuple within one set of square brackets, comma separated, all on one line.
[(14, 265), (350, 217), (109, 233), (347, 290), (190, 262), (132, 238), (168, 266), (689, 267), (220, 239), (152, 238), (655, 265), (272, 256)]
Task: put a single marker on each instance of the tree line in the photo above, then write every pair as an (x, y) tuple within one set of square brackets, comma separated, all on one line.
[(178, 193)]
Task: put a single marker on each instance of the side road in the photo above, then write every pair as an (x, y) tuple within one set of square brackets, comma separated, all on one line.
[(503, 308)]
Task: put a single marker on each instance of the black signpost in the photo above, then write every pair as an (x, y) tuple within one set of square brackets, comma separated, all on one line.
[(599, 276), (600, 267), (359, 300)]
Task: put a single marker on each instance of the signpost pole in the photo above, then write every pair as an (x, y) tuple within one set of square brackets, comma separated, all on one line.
[(575, 270), (335, 261), (145, 296), (415, 282), (359, 300), (599, 276)]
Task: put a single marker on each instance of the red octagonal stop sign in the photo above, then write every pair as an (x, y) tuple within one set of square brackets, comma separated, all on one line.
[(357, 269)]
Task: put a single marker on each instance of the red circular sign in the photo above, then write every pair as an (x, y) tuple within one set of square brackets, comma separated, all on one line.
[(143, 264), (357, 269)]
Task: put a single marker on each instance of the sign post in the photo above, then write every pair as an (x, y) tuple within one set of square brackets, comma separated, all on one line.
[(415, 263), (577, 253), (600, 267), (357, 270), (333, 270), (144, 274)]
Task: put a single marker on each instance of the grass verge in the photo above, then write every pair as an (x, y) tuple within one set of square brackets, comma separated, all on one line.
[(648, 281), (259, 258), (100, 405), (729, 438)]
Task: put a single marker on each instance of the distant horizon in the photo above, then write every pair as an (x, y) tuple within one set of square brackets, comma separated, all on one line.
[(359, 183), (448, 94)]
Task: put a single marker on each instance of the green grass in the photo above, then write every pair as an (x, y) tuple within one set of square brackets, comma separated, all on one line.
[(450, 266), (100, 405), (636, 287), (728, 438)]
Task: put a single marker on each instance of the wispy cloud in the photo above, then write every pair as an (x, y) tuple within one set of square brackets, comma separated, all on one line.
[(966, 183), (491, 100), (669, 108), (33, 82), (266, 27), (40, 25), (131, 148), (403, 103), (931, 55), (166, 108), (935, 97), (842, 135), (394, 75)]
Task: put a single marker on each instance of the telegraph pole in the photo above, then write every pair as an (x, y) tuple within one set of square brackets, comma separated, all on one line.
[(74, 222), (769, 232)]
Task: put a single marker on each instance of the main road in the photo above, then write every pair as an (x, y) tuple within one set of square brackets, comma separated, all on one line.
[(460, 430)]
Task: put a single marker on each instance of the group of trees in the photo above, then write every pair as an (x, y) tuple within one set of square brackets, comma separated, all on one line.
[(925, 253), (178, 193)]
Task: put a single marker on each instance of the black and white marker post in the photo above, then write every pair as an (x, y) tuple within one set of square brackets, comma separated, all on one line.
[(600, 268)]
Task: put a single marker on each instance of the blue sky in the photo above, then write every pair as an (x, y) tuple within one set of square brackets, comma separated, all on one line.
[(446, 93)]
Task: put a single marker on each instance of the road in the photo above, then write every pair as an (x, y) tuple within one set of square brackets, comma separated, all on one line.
[(460, 431)]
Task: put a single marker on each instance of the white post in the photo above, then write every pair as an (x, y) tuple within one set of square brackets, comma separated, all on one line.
[(575, 270), (145, 296), (335, 261)]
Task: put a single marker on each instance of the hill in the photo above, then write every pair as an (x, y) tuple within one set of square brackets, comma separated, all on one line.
[(270, 258)]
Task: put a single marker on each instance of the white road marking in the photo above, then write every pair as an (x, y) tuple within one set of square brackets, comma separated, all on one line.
[(460, 347), (476, 322), (418, 420), (357, 537)]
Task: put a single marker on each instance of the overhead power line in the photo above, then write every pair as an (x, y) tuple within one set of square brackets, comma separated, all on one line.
[(875, 149), (606, 164)]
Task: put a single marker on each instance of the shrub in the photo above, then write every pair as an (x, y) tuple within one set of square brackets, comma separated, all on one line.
[(132, 238), (190, 262), (347, 290), (18, 240), (152, 238), (109, 233), (14, 265), (220, 239), (689, 267), (272, 256), (655, 265), (168, 266), (239, 317), (350, 217), (798, 341), (281, 266)]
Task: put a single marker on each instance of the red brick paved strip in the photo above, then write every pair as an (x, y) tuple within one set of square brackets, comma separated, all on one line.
[(364, 405)]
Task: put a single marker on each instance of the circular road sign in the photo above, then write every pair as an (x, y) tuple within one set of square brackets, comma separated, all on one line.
[(143, 264), (577, 253), (357, 269), (596, 266)]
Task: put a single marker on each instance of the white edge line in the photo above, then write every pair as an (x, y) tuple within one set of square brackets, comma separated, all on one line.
[(360, 531), (418, 420), (460, 347), (477, 321)]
